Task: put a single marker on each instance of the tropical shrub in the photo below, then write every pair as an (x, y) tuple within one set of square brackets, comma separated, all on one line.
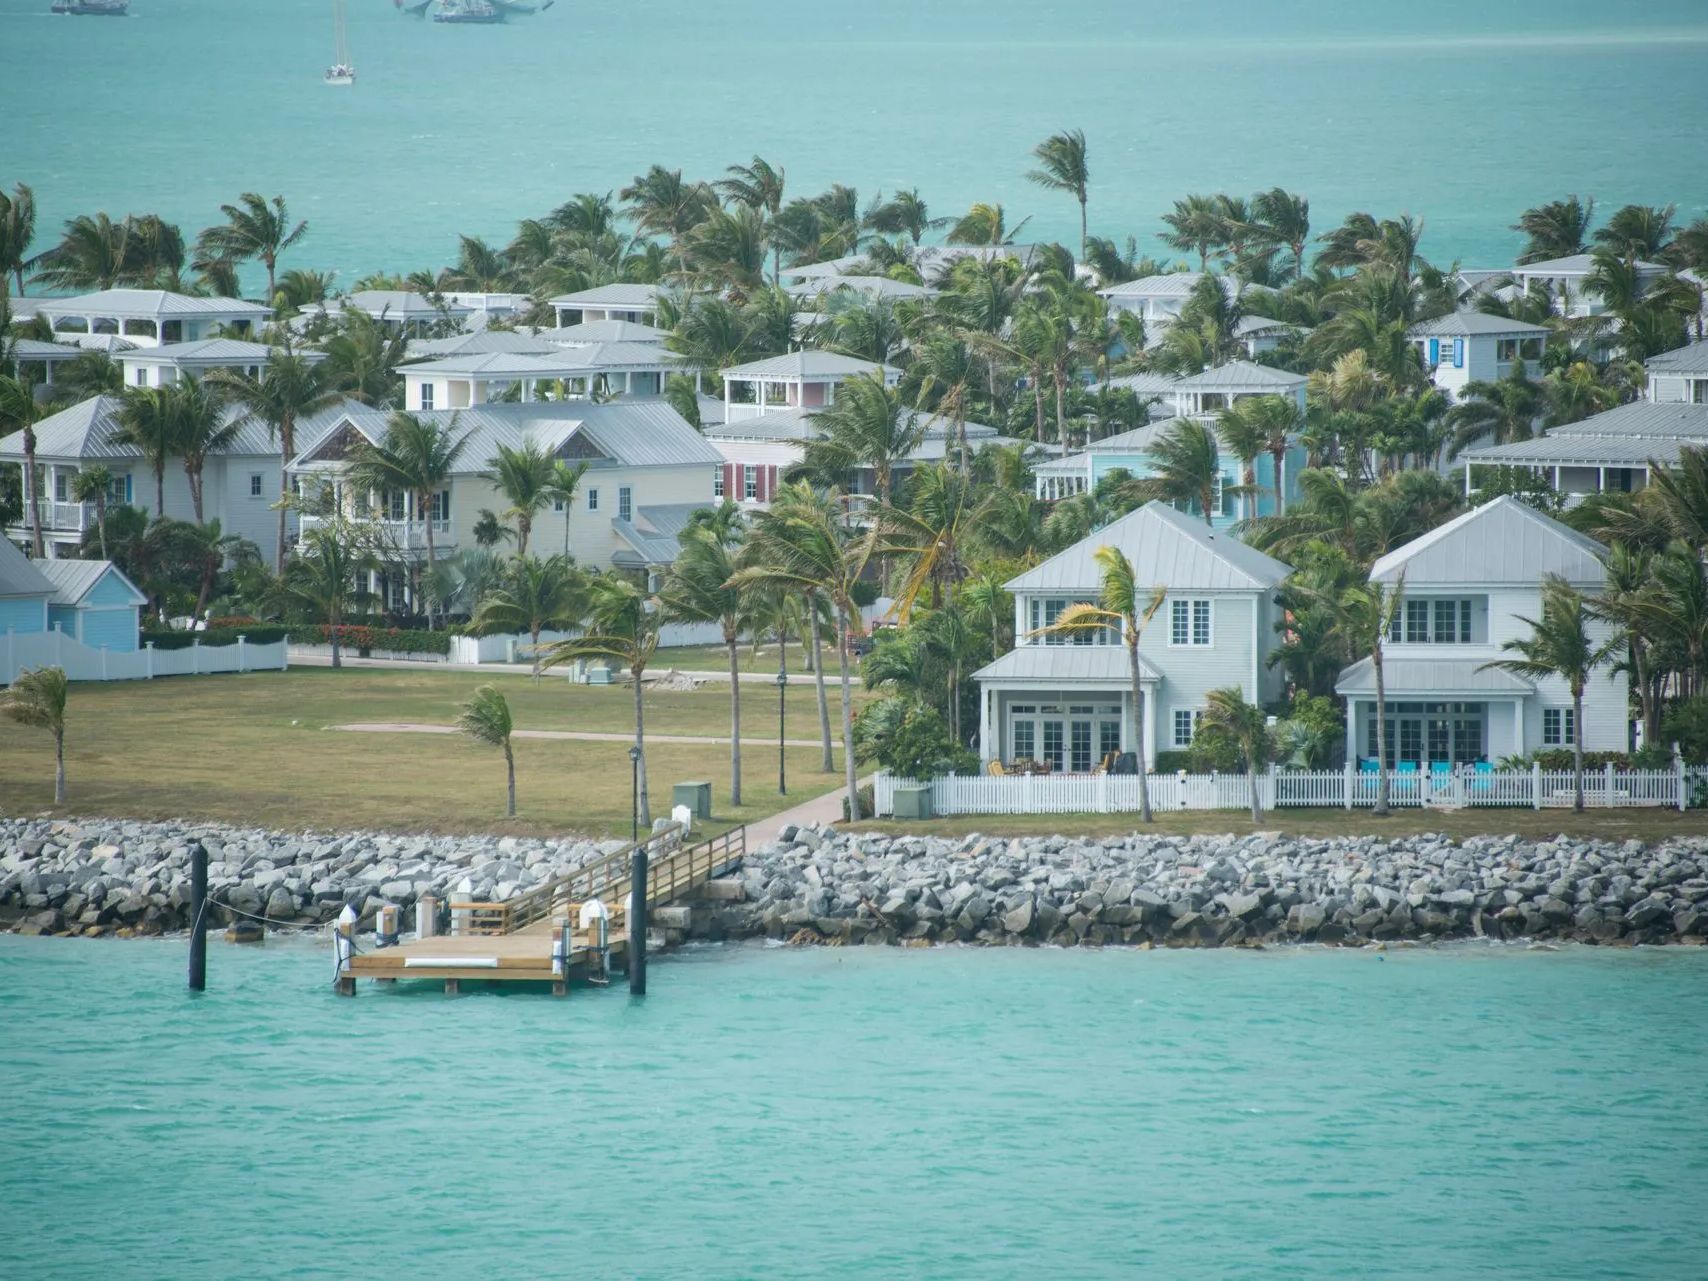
[(910, 739), (365, 639), (213, 637)]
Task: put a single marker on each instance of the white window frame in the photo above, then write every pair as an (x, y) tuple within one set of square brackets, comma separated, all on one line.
[(426, 395), (593, 499), (61, 487), (255, 490), (625, 502), (1218, 496), (1186, 615), (718, 482), (1563, 732), (750, 482), (439, 507), (1189, 718)]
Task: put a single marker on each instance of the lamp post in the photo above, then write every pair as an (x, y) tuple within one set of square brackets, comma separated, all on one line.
[(634, 794), (782, 688)]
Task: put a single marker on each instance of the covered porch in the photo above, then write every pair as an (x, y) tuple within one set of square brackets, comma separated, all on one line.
[(1066, 721), (1436, 713)]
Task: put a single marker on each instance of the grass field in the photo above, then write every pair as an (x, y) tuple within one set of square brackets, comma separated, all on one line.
[(714, 658), (256, 749)]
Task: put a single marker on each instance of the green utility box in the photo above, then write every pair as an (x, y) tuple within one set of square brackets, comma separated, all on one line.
[(912, 800), (696, 796)]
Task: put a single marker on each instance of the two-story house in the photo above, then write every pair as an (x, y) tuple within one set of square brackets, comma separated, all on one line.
[(1066, 700), (1157, 300), (1680, 375), (1567, 282), (1474, 346), (1612, 451), (622, 301), (150, 317), (797, 380), (163, 366), (1465, 589), (458, 382)]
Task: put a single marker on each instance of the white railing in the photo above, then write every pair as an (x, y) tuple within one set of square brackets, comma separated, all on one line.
[(403, 535), (68, 516), (81, 662), (1604, 787)]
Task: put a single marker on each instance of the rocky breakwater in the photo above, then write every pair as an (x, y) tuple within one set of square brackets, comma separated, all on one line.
[(819, 885), (111, 877)]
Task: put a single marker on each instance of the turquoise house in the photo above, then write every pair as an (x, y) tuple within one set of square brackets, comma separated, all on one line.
[(93, 602), (24, 592)]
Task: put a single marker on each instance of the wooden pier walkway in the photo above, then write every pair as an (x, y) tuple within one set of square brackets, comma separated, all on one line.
[(517, 940)]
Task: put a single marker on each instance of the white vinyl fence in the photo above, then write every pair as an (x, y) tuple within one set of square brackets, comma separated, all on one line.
[(82, 663), (1535, 788)]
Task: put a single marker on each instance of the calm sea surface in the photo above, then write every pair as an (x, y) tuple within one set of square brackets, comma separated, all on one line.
[(1464, 111), (862, 1113)]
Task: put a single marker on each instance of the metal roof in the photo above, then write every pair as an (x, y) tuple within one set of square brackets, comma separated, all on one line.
[(626, 296), (798, 423), (399, 304), (875, 286), (35, 349), (81, 432), (74, 579), (479, 343), (595, 331), (1504, 541), (1626, 434), (149, 304), (637, 356), (1475, 324), (1168, 548), (19, 575), (926, 259), (1172, 284), (1575, 265), (1237, 374), (209, 351), (1429, 677), (1072, 465), (1691, 359), (655, 534), (1250, 325), (808, 365), (1147, 384), (1068, 665)]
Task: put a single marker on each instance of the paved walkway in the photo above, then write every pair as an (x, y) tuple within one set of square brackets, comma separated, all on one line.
[(575, 735), (821, 809)]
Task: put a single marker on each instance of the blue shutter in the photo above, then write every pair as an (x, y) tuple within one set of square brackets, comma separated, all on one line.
[(1434, 351), (1458, 353)]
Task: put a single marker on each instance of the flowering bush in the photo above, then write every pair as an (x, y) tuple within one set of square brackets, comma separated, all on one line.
[(385, 640)]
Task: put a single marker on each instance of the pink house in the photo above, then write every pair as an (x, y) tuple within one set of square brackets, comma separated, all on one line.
[(798, 380)]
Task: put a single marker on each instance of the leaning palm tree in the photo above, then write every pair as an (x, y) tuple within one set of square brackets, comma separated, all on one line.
[(485, 717), (1559, 645), (94, 484), (867, 426), (1364, 614), (1122, 606), (698, 589), (1557, 229), (417, 456), (1504, 410), (623, 622), (1281, 218), (200, 427), (17, 230), (253, 229), (1245, 723), (1185, 468), (289, 388), (94, 253), (525, 475), (1062, 167), (533, 595), (1195, 225), (326, 577), (1273, 423), (36, 698), (148, 423)]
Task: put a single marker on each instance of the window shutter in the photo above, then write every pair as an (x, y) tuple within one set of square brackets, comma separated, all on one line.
[(1435, 351), (1458, 353)]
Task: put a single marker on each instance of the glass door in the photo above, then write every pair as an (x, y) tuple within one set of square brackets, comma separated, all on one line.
[(1081, 762)]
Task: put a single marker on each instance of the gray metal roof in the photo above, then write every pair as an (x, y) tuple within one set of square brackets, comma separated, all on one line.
[(1475, 324), (150, 304), (801, 424), (1147, 384), (209, 351), (626, 297), (1240, 374), (1168, 549), (1575, 265), (875, 286), (479, 343), (1504, 541), (1429, 677), (636, 356), (808, 365), (81, 433), (1067, 665), (1691, 359), (19, 575), (1250, 325), (596, 331), (655, 534), (35, 349), (1624, 435), (399, 304), (926, 259), (1172, 284), (74, 579)]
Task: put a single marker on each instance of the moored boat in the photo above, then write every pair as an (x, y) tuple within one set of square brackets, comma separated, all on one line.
[(468, 11), (341, 72), (93, 8)]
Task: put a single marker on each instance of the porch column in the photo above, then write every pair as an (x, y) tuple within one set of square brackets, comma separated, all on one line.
[(1517, 726), (988, 750), (1150, 727), (1351, 728)]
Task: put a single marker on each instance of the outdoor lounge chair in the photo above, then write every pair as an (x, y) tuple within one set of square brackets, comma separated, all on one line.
[(996, 769)]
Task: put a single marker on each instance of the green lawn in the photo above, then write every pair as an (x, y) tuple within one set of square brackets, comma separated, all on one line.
[(714, 658), (255, 749)]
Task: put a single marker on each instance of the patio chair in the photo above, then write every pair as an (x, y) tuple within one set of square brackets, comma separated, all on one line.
[(996, 769), (1406, 767), (1482, 776), (1107, 764)]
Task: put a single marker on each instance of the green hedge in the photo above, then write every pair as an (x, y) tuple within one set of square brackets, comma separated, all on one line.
[(385, 640), (258, 634)]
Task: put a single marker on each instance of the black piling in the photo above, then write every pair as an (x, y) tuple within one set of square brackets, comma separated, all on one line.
[(637, 923), (198, 917)]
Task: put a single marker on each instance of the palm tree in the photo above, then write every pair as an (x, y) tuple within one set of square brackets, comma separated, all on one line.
[(1364, 614), (1638, 231), (362, 358), (203, 550), (325, 577), (1557, 229), (1274, 422), (866, 426), (804, 543), (929, 534), (200, 426), (905, 213), (485, 717), (1560, 645), (92, 485), (17, 230), (19, 412), (1185, 468), (417, 456), (1125, 606), (1624, 604), (36, 698), (148, 423), (531, 596), (662, 203), (984, 224), (624, 625), (565, 482), (1062, 167), (1681, 495), (93, 254), (1195, 226), (699, 589), (524, 475), (289, 388), (1245, 723), (1281, 218), (758, 186), (1505, 410), (253, 229)]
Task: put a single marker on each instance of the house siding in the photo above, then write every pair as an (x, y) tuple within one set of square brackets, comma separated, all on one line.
[(114, 629), (23, 614)]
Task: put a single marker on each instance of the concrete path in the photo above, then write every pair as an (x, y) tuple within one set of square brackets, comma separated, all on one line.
[(583, 736), (820, 809)]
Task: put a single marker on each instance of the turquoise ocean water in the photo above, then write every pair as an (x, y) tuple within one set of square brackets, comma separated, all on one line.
[(1462, 110), (952, 1113)]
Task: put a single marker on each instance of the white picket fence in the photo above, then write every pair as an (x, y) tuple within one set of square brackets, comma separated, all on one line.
[(1536, 788), (83, 663)]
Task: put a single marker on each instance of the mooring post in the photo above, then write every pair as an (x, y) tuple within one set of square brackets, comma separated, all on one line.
[(198, 917), (637, 922), (426, 917), (560, 958), (343, 948), (386, 925)]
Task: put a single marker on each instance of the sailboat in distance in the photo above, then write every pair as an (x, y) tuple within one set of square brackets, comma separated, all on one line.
[(340, 72)]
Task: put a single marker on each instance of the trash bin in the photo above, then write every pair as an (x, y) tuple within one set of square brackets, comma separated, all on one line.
[(696, 796), (912, 800)]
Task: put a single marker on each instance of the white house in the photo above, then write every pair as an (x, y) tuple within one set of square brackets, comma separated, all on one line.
[(1467, 586), (1610, 451), (35, 359), (456, 382), (638, 303), (1474, 346), (151, 317), (1566, 279), (1222, 386), (1067, 701), (1157, 300), (482, 342), (798, 380), (1680, 375), (399, 309), (162, 366)]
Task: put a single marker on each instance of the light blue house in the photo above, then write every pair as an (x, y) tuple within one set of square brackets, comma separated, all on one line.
[(24, 592), (93, 602)]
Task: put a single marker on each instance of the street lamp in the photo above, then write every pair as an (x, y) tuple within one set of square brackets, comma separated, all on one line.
[(782, 687), (634, 794)]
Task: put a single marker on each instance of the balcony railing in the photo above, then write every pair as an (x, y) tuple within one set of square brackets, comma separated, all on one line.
[(403, 535), (68, 517)]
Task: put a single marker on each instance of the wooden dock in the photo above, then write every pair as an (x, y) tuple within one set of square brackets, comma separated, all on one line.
[(518, 940)]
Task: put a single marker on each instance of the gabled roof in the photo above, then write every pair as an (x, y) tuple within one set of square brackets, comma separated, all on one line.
[(1067, 664), (1478, 324), (875, 286), (1504, 541), (1238, 374), (1147, 384), (654, 536), (810, 365), (1433, 676), (622, 297), (150, 304), (479, 343), (82, 431), (1172, 284), (208, 351), (1576, 265), (1168, 548), (74, 579), (596, 331), (35, 349), (19, 575), (399, 304), (1690, 359)]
